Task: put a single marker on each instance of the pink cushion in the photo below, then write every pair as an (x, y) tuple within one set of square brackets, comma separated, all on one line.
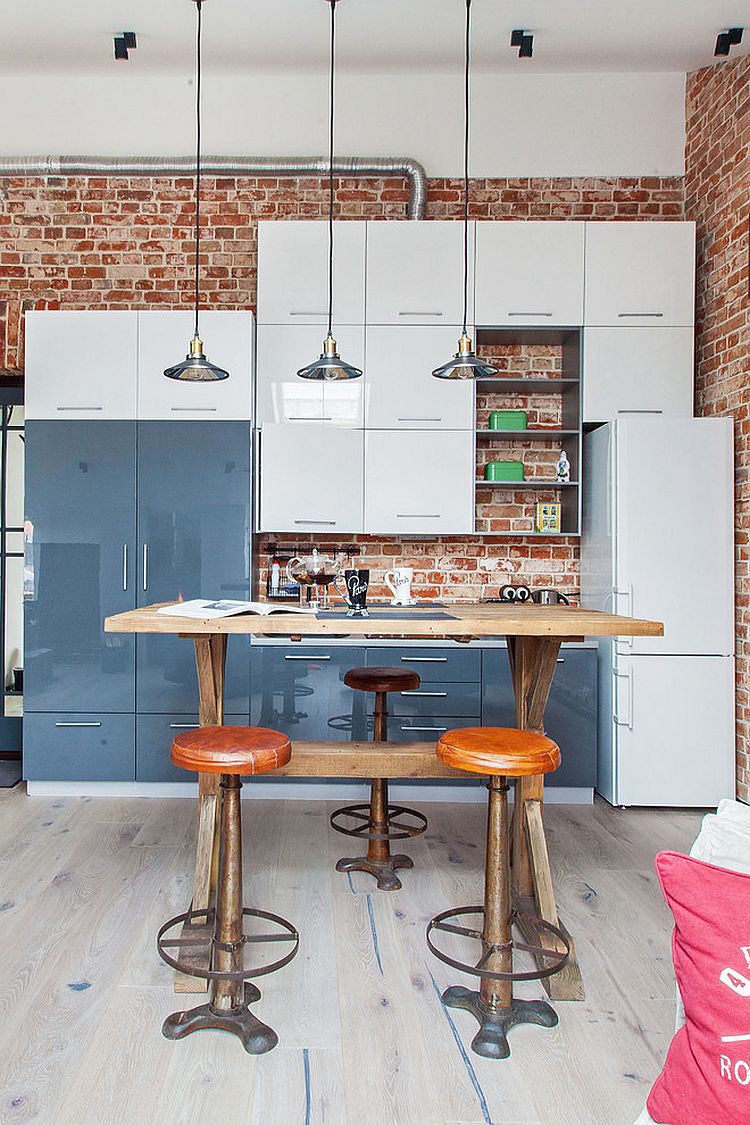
[(706, 1078)]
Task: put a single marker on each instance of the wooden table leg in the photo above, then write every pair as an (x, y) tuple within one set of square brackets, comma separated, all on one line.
[(210, 660), (533, 661)]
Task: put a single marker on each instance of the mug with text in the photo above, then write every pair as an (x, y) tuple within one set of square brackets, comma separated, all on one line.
[(356, 583), (399, 582)]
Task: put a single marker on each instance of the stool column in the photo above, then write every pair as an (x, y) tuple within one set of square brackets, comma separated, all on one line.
[(379, 851), (496, 995), (229, 995)]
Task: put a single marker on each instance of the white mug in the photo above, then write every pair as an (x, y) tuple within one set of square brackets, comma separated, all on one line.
[(398, 582)]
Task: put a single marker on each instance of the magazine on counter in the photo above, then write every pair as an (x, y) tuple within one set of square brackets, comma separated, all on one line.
[(223, 607)]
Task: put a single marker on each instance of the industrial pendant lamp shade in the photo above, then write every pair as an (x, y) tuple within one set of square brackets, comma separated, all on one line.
[(465, 363), (330, 365), (195, 368)]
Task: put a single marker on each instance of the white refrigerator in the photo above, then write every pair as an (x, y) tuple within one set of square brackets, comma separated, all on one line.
[(658, 542)]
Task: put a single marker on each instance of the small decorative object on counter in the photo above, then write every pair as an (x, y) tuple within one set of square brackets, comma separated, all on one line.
[(504, 471), (549, 518), (509, 420), (317, 572), (515, 594), (399, 582), (275, 580), (549, 597), (562, 469), (357, 583)]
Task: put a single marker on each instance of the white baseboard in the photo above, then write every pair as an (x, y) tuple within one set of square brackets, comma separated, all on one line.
[(296, 790)]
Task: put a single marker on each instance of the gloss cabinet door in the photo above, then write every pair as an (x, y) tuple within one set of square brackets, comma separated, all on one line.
[(301, 691), (193, 542), (293, 272), (81, 516)]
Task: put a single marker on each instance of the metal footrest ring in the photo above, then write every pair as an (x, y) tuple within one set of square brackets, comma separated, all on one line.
[(557, 957), (364, 831), (205, 942)]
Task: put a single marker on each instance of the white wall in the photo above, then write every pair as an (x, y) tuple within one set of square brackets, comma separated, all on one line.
[(527, 125)]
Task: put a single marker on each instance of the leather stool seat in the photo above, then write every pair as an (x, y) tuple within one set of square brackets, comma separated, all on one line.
[(498, 750), (381, 679), (231, 750)]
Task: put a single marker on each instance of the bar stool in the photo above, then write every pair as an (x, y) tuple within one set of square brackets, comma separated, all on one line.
[(379, 822), (501, 754), (231, 752)]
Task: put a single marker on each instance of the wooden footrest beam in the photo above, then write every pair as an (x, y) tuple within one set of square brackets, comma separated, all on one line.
[(365, 760)]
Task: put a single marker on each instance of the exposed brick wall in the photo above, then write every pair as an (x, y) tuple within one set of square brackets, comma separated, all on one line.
[(125, 243), (717, 197)]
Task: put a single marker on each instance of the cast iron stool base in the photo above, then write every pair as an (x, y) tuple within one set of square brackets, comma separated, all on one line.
[(492, 1038), (256, 1037), (384, 870)]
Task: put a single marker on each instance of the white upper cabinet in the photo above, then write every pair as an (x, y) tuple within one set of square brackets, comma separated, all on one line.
[(281, 396), (419, 482), (529, 273), (311, 479), (164, 340), (81, 364), (293, 272), (401, 392), (415, 272), (637, 369), (640, 273)]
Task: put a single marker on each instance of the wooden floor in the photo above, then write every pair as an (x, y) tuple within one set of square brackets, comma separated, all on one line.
[(364, 1039)]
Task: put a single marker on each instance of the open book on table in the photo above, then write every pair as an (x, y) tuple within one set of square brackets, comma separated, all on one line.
[(222, 607)]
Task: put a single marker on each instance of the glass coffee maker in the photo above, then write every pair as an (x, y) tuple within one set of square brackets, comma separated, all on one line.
[(316, 572)]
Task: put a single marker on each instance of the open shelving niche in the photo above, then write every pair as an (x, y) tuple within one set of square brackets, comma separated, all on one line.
[(544, 441)]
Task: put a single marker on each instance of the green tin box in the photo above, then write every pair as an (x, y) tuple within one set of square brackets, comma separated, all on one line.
[(504, 470), (509, 420)]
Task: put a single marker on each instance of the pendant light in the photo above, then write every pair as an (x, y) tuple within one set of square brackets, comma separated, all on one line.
[(195, 368), (465, 363), (330, 365)]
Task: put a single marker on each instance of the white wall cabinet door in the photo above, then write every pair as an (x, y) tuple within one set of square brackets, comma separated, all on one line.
[(164, 339), (637, 369), (281, 396), (415, 272), (81, 364), (419, 482), (640, 273), (401, 392), (293, 272), (311, 479), (529, 273)]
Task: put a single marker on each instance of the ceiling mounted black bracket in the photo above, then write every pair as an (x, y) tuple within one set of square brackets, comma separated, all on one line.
[(725, 40), (124, 43), (524, 40)]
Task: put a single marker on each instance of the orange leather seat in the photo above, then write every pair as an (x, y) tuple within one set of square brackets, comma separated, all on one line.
[(231, 750), (498, 751)]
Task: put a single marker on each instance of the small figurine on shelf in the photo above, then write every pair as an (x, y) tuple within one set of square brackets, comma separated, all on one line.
[(562, 468)]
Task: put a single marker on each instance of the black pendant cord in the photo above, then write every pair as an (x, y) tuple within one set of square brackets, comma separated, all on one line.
[(197, 160), (330, 168), (466, 162)]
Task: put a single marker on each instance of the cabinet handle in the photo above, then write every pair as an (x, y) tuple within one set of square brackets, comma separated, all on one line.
[(626, 314), (529, 314), (301, 312), (317, 523), (302, 418), (80, 408), (195, 409), (124, 566), (312, 657), (184, 726), (427, 694), (436, 729), (561, 660), (145, 566), (419, 419), (78, 724), (424, 659), (417, 313), (417, 515)]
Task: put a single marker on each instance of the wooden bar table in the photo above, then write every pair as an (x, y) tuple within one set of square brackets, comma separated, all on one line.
[(534, 634)]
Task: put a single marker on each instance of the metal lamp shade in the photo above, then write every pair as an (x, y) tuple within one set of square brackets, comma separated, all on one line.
[(329, 365), (465, 364), (195, 368)]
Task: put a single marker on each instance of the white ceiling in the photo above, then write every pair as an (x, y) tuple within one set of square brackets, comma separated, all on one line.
[(49, 37)]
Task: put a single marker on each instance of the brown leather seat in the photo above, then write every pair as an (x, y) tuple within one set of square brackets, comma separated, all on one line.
[(498, 751), (381, 679), (231, 750)]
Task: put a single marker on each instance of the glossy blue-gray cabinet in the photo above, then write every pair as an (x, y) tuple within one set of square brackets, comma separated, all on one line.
[(60, 746), (301, 691), (153, 739), (194, 532), (81, 505), (570, 717)]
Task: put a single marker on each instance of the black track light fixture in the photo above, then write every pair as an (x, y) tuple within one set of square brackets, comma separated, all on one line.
[(725, 40), (524, 40), (125, 43)]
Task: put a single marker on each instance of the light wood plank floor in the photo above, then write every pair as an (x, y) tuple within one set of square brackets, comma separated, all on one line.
[(364, 1039)]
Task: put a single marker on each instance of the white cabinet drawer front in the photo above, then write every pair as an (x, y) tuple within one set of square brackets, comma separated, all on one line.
[(402, 394), (164, 339), (415, 272), (81, 365), (637, 369), (640, 273), (281, 395), (293, 272), (419, 482), (311, 479), (529, 273)]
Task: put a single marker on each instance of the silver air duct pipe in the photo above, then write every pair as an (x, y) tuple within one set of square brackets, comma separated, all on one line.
[(352, 166)]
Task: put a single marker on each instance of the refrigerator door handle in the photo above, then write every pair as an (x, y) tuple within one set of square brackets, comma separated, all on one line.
[(626, 593), (629, 721)]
